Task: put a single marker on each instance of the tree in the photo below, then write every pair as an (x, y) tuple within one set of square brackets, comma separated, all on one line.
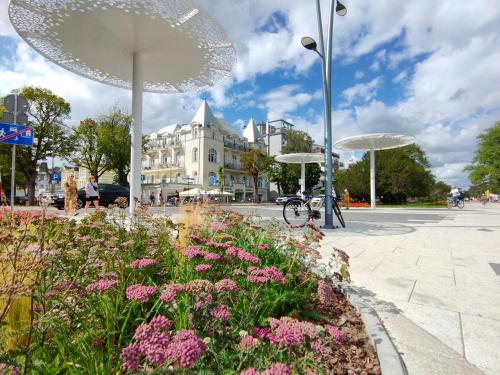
[(47, 113), (254, 162), (89, 149), (275, 172), (114, 135), (485, 167), (400, 173)]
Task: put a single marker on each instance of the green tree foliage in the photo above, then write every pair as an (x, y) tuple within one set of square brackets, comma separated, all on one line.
[(485, 167), (287, 176), (47, 113), (88, 148), (114, 136), (254, 163), (400, 173)]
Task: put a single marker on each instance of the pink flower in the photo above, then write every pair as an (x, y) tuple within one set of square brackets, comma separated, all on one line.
[(50, 293), (170, 292), (226, 285), (130, 357), (220, 312), (278, 369), (212, 256), (218, 226), (203, 301), (186, 348), (250, 371), (326, 294), (138, 292), (203, 267), (258, 275), (101, 286), (248, 343), (143, 263), (289, 335), (238, 272), (193, 252), (263, 247), (242, 255), (336, 333)]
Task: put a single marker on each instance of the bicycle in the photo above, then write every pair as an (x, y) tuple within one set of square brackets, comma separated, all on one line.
[(459, 202), (298, 211)]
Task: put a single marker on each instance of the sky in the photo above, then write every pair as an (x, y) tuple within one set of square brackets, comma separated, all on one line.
[(424, 68)]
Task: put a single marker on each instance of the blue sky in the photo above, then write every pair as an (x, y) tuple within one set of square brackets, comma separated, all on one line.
[(418, 67)]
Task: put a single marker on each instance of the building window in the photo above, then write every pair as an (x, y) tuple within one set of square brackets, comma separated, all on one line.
[(232, 180), (213, 135), (234, 161), (195, 155), (177, 138), (245, 180), (195, 132), (259, 183), (212, 156), (177, 159)]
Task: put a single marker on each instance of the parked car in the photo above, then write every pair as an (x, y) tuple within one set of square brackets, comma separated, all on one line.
[(107, 192), (284, 198)]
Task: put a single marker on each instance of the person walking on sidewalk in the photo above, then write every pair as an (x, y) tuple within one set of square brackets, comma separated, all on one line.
[(91, 194), (70, 195), (347, 199)]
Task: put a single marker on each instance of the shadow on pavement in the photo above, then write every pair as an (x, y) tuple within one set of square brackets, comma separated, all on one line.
[(375, 229)]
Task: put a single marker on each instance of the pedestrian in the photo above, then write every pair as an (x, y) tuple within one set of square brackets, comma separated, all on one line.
[(70, 195), (176, 198), (91, 194), (152, 198), (455, 194), (347, 199), (161, 198)]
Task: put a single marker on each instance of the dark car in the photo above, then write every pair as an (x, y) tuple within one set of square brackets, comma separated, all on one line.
[(107, 192)]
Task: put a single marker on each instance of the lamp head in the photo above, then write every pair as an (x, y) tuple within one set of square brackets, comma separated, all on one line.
[(309, 43), (340, 9)]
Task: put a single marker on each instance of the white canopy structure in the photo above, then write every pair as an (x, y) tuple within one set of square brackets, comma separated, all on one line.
[(302, 159), (218, 192), (372, 142), (164, 46), (191, 192)]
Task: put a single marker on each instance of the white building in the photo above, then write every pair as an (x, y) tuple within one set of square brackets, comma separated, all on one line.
[(182, 156)]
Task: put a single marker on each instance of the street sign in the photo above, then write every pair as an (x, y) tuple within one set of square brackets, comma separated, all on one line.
[(9, 102), (13, 134), (55, 177), (213, 180), (21, 118), (143, 178)]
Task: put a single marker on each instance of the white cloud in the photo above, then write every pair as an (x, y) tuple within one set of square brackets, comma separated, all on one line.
[(285, 100), (400, 77), (359, 74), (362, 91)]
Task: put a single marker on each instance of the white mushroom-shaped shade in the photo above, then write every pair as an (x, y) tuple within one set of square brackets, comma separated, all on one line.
[(182, 48), (300, 158), (377, 141)]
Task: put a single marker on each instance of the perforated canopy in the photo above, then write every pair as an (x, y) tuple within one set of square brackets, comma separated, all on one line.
[(376, 141), (300, 158), (183, 49)]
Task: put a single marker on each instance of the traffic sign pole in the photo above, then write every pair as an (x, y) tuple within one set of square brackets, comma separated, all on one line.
[(13, 169)]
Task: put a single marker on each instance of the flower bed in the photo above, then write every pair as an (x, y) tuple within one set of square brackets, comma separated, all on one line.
[(217, 294)]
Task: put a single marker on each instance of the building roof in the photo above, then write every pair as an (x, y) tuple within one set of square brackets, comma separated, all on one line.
[(204, 116), (251, 132)]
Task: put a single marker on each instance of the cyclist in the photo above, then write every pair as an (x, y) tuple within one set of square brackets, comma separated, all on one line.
[(455, 194)]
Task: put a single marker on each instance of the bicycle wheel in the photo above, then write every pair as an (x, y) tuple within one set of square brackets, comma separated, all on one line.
[(338, 213), (460, 203), (297, 212)]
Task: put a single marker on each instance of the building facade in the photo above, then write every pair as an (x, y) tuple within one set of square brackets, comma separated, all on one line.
[(184, 156)]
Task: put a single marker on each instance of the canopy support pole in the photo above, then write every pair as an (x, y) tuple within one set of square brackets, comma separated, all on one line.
[(372, 178), (302, 177), (136, 131)]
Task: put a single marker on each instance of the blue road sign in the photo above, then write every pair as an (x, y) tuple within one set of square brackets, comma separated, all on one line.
[(143, 178), (14, 134), (55, 177), (213, 180)]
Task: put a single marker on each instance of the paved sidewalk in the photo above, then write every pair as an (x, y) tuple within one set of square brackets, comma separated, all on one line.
[(429, 276)]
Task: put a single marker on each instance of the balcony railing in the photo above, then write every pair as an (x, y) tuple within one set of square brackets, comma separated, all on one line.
[(234, 166), (163, 166), (236, 146), (172, 180)]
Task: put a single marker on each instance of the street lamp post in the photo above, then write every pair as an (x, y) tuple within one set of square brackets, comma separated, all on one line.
[(326, 65)]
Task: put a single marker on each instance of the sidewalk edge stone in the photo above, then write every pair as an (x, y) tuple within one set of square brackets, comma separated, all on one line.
[(390, 360)]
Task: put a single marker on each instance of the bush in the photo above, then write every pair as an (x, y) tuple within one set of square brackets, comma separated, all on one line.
[(218, 293)]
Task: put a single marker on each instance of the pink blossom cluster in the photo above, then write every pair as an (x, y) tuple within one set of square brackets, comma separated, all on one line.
[(248, 342), (208, 243), (214, 227), (139, 292), (202, 267), (336, 333), (242, 255), (170, 292), (263, 247), (221, 313), (101, 286), (238, 272), (343, 255), (154, 342), (192, 252), (285, 333), (326, 294), (264, 333), (143, 263), (64, 286), (226, 285), (110, 274), (276, 369), (198, 286), (203, 300), (264, 275), (307, 328)]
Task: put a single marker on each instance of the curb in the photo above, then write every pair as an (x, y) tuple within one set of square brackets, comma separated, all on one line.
[(390, 360)]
